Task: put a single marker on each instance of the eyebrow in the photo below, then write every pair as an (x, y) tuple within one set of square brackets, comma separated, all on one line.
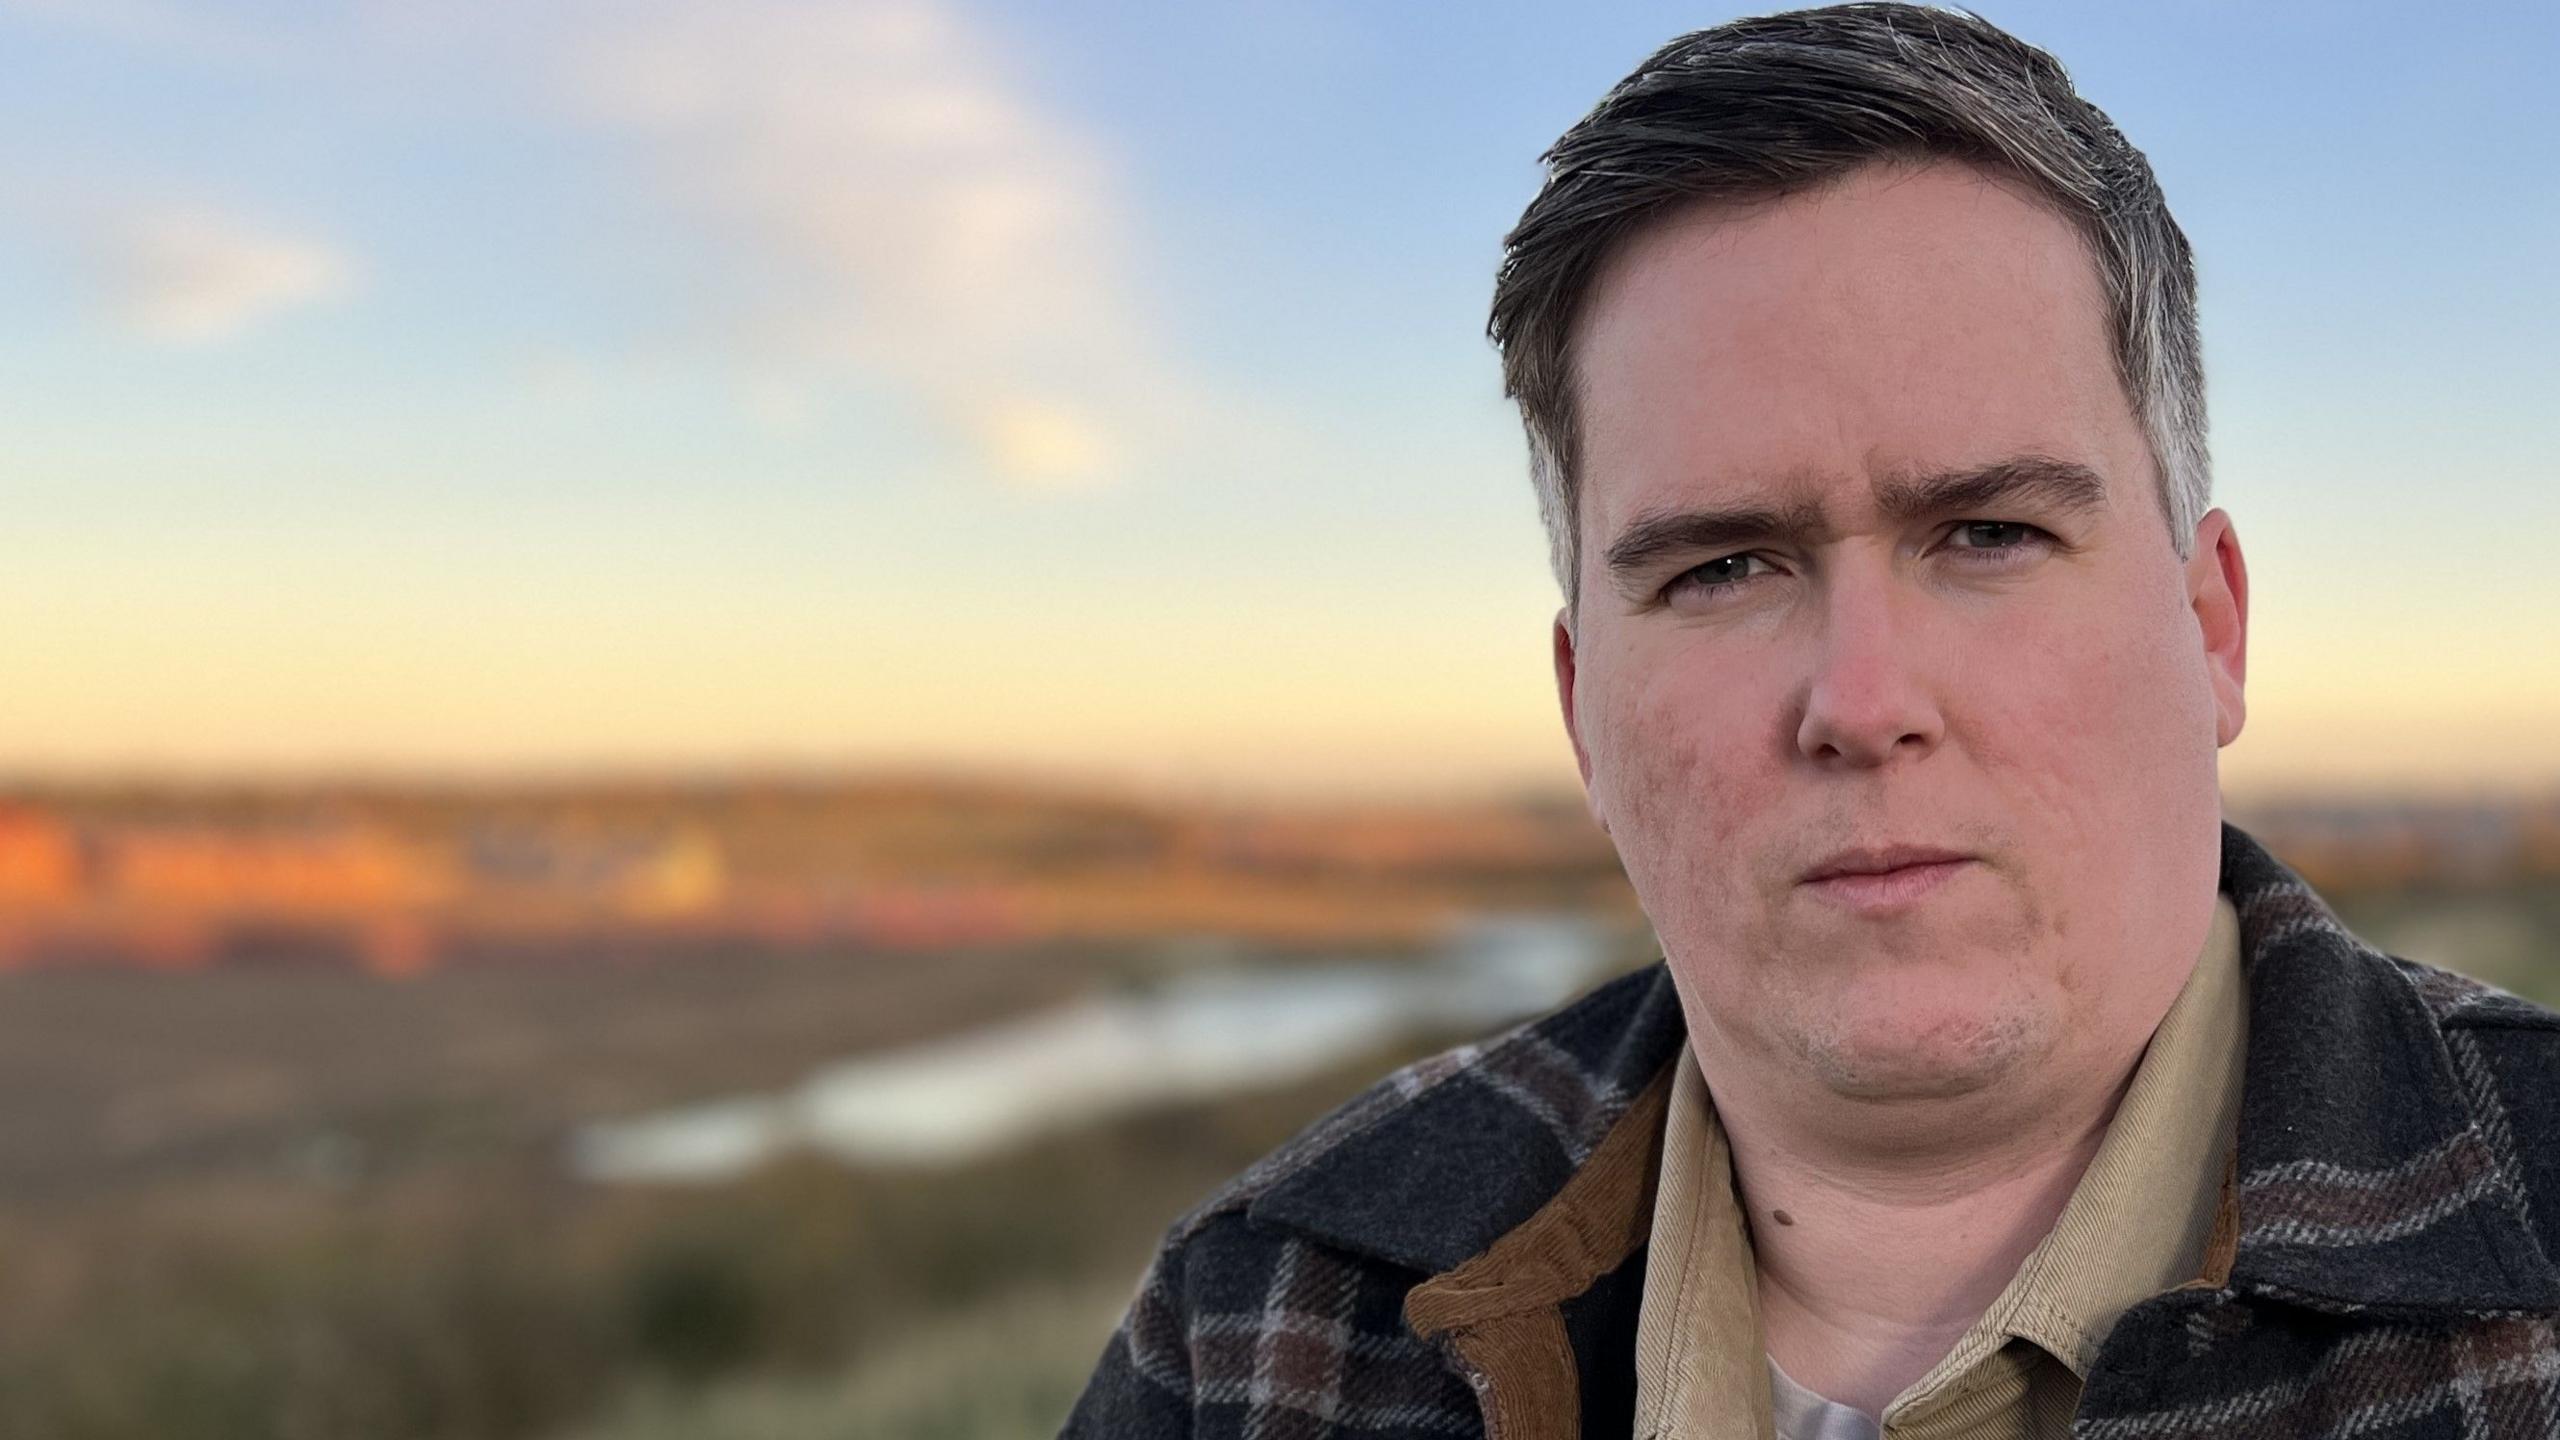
[(2040, 480)]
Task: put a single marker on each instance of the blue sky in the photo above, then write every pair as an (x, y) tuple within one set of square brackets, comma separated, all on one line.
[(1082, 387)]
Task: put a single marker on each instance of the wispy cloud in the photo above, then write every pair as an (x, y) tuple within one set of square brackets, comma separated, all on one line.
[(893, 204), (193, 277), (931, 224)]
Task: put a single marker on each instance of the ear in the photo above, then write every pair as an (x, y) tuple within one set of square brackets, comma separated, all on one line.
[(1572, 726), (2218, 593)]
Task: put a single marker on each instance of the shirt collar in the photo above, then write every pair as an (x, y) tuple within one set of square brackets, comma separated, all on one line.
[(1700, 1370), (2139, 1219), (2142, 1217)]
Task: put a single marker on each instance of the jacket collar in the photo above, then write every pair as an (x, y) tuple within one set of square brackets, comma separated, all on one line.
[(2367, 1180), (1489, 1132)]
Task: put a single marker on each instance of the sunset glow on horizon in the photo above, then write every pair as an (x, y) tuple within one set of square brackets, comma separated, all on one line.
[(1090, 391)]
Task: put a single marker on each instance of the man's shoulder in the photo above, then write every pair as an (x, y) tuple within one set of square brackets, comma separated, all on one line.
[(2505, 1055), (1318, 1242), (2323, 977), (2463, 1002), (2400, 1128)]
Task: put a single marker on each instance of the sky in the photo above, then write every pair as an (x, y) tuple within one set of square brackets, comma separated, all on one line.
[(1094, 389)]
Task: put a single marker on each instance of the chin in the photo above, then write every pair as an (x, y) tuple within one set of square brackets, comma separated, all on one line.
[(1932, 1053)]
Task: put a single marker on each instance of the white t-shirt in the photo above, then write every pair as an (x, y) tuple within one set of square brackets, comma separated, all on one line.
[(1803, 1415)]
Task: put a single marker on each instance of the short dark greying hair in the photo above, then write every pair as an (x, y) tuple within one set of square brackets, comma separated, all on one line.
[(1767, 106)]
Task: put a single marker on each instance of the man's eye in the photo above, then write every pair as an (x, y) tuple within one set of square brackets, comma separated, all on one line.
[(1998, 537), (1721, 573)]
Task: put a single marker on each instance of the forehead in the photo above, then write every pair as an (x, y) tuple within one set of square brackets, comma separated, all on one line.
[(1904, 318)]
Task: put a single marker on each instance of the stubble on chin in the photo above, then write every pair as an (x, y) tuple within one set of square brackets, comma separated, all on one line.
[(1954, 1056)]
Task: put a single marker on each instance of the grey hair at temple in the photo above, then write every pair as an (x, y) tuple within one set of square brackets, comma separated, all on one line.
[(1767, 106)]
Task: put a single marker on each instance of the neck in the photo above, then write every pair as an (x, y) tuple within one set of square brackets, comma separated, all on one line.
[(1956, 1198)]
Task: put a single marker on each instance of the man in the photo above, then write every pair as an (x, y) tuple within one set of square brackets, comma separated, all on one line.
[(1989, 1085)]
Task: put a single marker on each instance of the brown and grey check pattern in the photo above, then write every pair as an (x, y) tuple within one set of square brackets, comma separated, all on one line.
[(2399, 1160), (1301, 1369), (2312, 1202), (2495, 1379)]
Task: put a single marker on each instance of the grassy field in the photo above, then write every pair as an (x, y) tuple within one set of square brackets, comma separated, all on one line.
[(487, 1297), (1008, 1370)]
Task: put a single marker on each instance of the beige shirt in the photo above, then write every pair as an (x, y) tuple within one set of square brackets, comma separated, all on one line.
[(2138, 1223)]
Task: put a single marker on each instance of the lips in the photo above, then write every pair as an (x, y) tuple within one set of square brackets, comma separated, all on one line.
[(1878, 860), (1884, 882)]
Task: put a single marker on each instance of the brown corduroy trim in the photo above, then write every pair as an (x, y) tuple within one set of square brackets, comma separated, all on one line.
[(2224, 1243), (1498, 1309), (1532, 1390), (2219, 1250)]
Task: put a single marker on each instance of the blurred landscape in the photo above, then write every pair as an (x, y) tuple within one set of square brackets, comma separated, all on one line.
[(774, 1107)]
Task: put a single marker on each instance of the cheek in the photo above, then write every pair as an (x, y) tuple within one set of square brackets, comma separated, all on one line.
[(1684, 762), (2104, 720), (2103, 764)]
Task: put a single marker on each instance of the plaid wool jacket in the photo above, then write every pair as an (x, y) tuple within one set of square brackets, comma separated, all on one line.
[(1459, 1251)]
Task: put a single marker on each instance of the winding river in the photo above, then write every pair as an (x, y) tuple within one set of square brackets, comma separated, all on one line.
[(1196, 1035)]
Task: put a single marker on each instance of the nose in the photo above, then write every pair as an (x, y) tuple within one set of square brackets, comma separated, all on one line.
[(1867, 700)]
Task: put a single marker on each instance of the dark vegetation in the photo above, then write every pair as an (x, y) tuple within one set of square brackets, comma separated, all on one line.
[(494, 1299)]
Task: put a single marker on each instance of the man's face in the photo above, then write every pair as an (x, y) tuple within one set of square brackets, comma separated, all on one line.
[(1925, 607)]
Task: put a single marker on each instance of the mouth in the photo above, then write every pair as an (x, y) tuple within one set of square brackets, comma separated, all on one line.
[(1883, 878)]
